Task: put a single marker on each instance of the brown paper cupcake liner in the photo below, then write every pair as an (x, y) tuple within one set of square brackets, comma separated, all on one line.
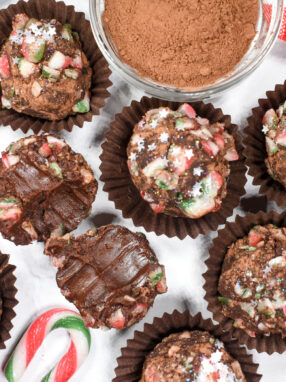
[(255, 150), (7, 297), (130, 363), (50, 9), (122, 191), (228, 235)]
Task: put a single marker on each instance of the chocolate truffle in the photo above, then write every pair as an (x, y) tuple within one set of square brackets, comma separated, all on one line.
[(252, 285), (180, 162), (110, 274), (274, 128), (45, 188), (191, 356), (43, 71)]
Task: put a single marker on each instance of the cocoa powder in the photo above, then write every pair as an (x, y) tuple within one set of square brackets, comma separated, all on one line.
[(185, 43)]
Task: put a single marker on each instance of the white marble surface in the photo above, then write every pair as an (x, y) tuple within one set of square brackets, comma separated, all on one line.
[(184, 260)]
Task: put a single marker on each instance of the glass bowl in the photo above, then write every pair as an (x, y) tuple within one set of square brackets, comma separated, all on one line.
[(265, 37)]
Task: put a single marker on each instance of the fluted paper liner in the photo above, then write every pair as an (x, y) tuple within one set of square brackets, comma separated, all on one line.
[(7, 297), (255, 151), (50, 9), (228, 235), (123, 192), (130, 363)]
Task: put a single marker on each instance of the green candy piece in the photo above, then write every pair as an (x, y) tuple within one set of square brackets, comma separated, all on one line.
[(186, 204), (162, 184), (56, 169), (34, 52), (223, 300), (274, 124), (188, 364), (40, 52), (6, 103), (71, 73), (67, 32), (8, 200), (62, 229), (11, 93), (155, 279), (51, 74), (248, 248), (82, 106), (269, 314), (75, 35), (179, 122)]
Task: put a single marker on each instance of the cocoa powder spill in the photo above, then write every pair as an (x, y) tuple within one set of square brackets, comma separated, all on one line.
[(185, 43)]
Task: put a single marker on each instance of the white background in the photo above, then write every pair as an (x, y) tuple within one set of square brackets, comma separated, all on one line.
[(184, 260)]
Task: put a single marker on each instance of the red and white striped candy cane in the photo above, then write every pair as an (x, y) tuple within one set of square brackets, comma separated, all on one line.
[(34, 337), (267, 12)]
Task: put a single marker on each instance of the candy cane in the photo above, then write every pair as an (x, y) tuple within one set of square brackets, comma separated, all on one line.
[(34, 337), (267, 11)]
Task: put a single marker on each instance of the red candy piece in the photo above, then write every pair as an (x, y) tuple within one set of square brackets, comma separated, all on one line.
[(139, 309), (181, 161), (210, 147), (267, 11), (282, 33), (161, 287), (217, 179), (214, 377), (68, 61), (157, 208), (77, 62), (188, 110), (117, 320), (254, 238), (219, 141), (45, 150), (4, 67), (231, 155), (19, 21), (5, 161), (185, 164), (269, 117), (13, 214), (33, 51), (281, 139)]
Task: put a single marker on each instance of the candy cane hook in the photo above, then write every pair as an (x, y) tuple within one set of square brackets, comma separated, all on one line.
[(34, 337)]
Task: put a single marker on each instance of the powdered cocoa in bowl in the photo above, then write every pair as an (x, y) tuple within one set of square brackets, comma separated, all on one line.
[(184, 43)]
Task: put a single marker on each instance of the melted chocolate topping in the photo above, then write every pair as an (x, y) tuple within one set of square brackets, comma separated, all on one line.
[(110, 274), (45, 186)]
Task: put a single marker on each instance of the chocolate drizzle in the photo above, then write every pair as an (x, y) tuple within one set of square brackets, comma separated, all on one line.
[(107, 270)]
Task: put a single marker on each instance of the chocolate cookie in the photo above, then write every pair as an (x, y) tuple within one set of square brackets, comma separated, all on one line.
[(191, 356), (180, 162), (110, 274), (274, 128), (43, 71), (252, 284), (45, 188)]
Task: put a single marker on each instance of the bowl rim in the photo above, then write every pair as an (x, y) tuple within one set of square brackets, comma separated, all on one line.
[(165, 91)]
